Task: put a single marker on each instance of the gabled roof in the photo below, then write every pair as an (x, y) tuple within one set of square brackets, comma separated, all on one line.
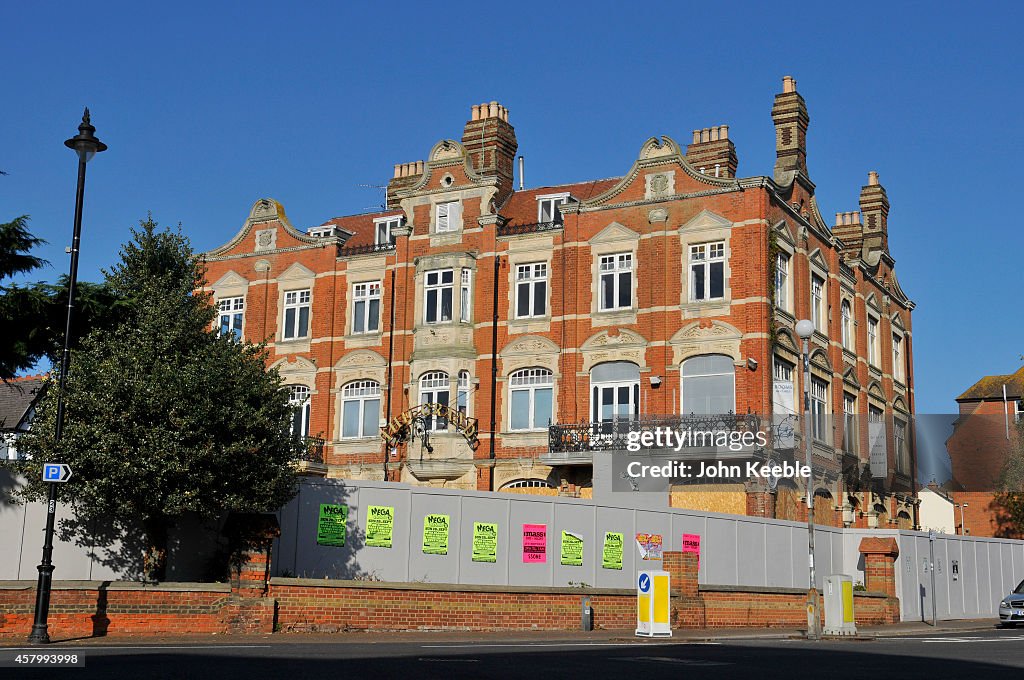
[(17, 398), (360, 226), (991, 387), (521, 206)]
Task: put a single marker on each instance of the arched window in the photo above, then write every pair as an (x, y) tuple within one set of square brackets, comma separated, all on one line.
[(435, 388), (463, 396), (529, 484), (709, 385), (360, 409), (530, 399), (614, 391), (298, 398), (847, 326)]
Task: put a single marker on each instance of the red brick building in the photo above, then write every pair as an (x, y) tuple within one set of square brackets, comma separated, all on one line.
[(984, 435), (672, 289)]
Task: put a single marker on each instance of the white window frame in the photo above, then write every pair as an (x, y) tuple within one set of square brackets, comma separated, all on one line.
[(361, 393), (299, 398), (232, 311), (433, 386), (363, 295), (850, 431), (438, 287), (818, 296), (782, 261), (873, 324), (611, 268), (384, 230), (529, 277), (447, 213), (819, 409), (530, 381), (297, 300), (551, 202), (683, 379), (702, 256), (462, 395), (899, 440), (846, 324), (465, 301), (897, 357), (782, 370)]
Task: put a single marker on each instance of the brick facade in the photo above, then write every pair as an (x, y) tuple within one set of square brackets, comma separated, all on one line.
[(382, 315), (985, 436)]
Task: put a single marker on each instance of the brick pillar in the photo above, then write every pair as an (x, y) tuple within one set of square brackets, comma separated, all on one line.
[(880, 571), (687, 604), (250, 608), (760, 504)]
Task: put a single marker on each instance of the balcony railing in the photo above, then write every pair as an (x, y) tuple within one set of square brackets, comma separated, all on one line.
[(615, 434), (312, 450), (366, 249), (516, 229)]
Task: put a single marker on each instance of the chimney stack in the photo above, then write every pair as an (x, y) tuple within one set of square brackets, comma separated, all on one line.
[(490, 142), (874, 205), (790, 116), (712, 147)]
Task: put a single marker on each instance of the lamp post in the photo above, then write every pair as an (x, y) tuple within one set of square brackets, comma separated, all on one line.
[(86, 145), (805, 328), (963, 527)]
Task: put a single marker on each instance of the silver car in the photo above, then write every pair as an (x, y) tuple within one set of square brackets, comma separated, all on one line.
[(1011, 609)]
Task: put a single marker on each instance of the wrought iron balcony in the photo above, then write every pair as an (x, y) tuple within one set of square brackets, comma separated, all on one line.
[(516, 229), (366, 249), (614, 435), (312, 450)]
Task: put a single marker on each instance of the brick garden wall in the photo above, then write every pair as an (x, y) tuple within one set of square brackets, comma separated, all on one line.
[(94, 609), (256, 605)]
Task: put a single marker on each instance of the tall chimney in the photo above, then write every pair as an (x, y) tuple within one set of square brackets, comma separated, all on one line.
[(491, 143), (790, 116), (874, 207), (712, 147)]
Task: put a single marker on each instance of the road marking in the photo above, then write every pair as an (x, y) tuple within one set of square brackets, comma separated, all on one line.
[(556, 644), (672, 659), (96, 648)]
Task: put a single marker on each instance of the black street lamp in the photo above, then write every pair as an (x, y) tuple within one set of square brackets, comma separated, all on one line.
[(86, 145)]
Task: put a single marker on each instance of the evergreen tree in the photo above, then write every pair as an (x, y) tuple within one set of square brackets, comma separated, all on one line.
[(163, 417)]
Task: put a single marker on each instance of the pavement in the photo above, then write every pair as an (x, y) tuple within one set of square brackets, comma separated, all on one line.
[(954, 649)]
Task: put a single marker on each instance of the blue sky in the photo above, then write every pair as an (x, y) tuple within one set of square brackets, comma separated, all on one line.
[(209, 106)]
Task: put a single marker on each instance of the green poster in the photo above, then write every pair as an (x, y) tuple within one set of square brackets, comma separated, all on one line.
[(330, 530), (485, 542), (611, 555), (572, 549), (380, 522), (435, 535)]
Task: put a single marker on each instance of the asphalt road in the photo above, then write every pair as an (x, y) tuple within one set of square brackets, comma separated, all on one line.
[(967, 655)]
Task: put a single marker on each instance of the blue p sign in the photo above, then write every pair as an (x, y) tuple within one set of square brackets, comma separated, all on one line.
[(56, 472)]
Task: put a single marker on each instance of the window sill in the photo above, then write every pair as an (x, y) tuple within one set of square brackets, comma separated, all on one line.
[(445, 238), (530, 324), (363, 339), (292, 345), (524, 438), (614, 317), (697, 310)]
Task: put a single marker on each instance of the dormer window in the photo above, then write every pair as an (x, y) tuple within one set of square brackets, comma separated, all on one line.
[(384, 232), (547, 208), (322, 232), (448, 216)]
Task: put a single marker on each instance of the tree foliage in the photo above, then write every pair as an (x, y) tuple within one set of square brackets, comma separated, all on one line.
[(1008, 504), (34, 315), (163, 416)]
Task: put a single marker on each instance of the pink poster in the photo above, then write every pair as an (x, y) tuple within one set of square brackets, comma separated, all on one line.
[(691, 544), (535, 543)]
